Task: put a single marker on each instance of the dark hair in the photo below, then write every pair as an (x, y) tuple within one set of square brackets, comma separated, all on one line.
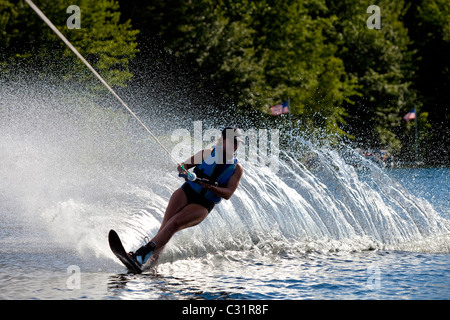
[(234, 132)]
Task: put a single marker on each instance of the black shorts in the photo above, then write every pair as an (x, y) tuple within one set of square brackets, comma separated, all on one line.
[(194, 197)]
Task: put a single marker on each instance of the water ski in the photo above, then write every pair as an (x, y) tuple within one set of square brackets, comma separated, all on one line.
[(118, 249)]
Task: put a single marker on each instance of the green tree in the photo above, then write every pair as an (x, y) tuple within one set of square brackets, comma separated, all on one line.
[(322, 55), (300, 63), (103, 40), (429, 25), (260, 52), (382, 63)]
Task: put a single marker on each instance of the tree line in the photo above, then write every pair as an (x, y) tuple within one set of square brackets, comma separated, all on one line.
[(343, 79)]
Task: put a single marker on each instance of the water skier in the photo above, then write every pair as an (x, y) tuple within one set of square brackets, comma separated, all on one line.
[(191, 204)]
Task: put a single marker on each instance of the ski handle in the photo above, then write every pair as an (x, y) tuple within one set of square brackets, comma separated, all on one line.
[(213, 183)]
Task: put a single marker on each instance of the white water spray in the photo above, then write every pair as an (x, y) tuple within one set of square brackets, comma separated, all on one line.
[(76, 169), (191, 176)]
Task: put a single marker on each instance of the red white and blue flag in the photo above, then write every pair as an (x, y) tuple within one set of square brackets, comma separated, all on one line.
[(410, 115), (282, 108)]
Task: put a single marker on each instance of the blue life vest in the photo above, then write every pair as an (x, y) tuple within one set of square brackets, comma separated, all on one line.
[(210, 169)]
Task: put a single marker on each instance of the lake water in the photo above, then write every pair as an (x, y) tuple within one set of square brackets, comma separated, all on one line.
[(72, 171), (34, 265)]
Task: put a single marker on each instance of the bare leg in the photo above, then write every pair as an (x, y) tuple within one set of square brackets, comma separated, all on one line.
[(179, 215), (188, 216), (177, 201)]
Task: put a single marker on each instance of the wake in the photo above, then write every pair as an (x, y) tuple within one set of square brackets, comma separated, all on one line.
[(77, 167)]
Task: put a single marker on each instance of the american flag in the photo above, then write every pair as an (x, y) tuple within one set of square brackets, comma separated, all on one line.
[(410, 115), (280, 109)]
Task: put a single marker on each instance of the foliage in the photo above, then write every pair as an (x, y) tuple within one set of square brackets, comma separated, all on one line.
[(343, 79), (429, 25), (262, 52), (105, 42)]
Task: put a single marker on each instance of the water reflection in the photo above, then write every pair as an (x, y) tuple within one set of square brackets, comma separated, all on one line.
[(314, 276), (155, 286)]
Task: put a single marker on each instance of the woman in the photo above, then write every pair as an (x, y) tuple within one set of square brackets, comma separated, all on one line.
[(190, 204)]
